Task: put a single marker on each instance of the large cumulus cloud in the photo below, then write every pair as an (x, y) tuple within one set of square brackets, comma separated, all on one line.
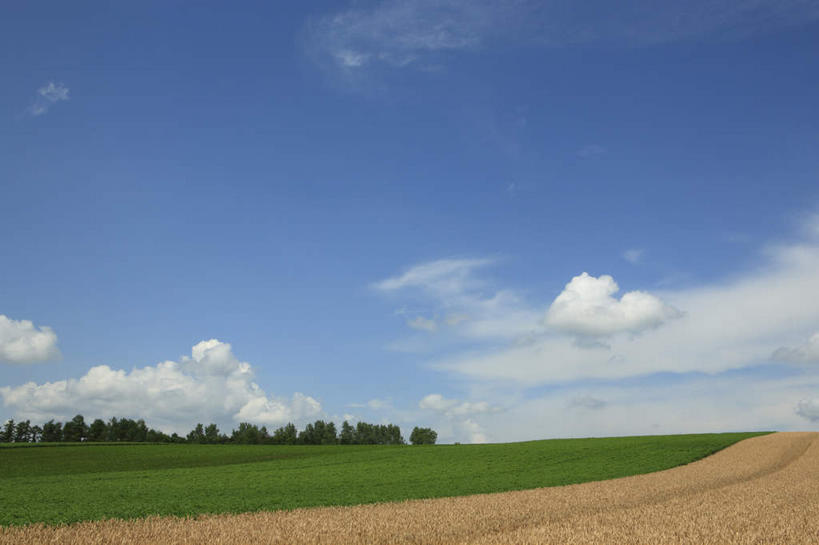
[(211, 385), (586, 307)]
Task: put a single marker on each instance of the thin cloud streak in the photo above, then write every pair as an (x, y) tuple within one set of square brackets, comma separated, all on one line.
[(417, 33)]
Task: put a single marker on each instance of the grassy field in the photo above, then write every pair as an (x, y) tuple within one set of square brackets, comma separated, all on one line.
[(88, 482)]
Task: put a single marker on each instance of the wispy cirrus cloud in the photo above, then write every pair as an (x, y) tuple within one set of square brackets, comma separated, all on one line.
[(47, 96), (633, 255), (395, 33), (418, 33), (807, 352)]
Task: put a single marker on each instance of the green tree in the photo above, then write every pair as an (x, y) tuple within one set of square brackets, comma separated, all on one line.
[(308, 435), (423, 436), (8, 431), (212, 434), (286, 435), (22, 432), (97, 431), (247, 434), (36, 433), (75, 429), (52, 432), (347, 435), (197, 434), (329, 435)]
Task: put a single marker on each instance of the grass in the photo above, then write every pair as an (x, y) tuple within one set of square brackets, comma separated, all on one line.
[(91, 482)]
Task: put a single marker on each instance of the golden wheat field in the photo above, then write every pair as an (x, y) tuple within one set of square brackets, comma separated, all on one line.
[(761, 490)]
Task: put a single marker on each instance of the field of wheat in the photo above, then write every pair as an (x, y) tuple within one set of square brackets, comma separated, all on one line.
[(761, 490)]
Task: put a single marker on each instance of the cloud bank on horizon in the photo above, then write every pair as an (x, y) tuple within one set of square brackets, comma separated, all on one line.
[(585, 333), (763, 317), (211, 385)]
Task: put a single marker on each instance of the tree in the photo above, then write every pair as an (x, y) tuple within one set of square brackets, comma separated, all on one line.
[(308, 435), (286, 435), (329, 436), (247, 434), (22, 432), (347, 436), (8, 431), (212, 434), (423, 436), (97, 431), (75, 429), (36, 433), (52, 432), (197, 434)]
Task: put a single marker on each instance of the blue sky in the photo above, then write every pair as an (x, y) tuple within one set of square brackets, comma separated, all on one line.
[(385, 210)]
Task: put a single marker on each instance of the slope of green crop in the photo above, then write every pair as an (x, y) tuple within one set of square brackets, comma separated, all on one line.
[(85, 482)]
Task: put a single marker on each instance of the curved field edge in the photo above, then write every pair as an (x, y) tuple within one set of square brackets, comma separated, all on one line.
[(87, 482), (759, 491)]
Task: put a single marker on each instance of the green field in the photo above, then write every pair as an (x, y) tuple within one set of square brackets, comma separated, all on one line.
[(62, 484)]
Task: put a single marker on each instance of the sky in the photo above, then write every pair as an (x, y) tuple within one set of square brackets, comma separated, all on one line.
[(505, 221)]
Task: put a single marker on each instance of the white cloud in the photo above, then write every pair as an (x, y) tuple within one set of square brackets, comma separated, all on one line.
[(587, 402), (375, 404), (400, 33), (47, 96), (211, 386), (459, 295), (423, 324), (23, 342), (586, 307), (456, 419), (726, 325), (805, 353), (808, 408), (475, 431), (454, 407), (592, 150), (698, 404), (810, 225), (633, 255), (442, 277)]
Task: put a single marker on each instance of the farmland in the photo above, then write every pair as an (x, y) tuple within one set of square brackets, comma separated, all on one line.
[(68, 483)]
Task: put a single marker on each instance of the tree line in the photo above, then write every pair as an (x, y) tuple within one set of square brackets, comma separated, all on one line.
[(126, 429)]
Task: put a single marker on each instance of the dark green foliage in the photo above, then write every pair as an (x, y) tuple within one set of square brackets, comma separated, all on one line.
[(423, 436), (22, 432), (75, 430), (377, 434), (52, 432), (97, 431), (212, 435), (136, 431), (249, 434), (319, 433), (7, 435), (286, 435), (125, 429), (347, 435), (197, 434), (56, 484)]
